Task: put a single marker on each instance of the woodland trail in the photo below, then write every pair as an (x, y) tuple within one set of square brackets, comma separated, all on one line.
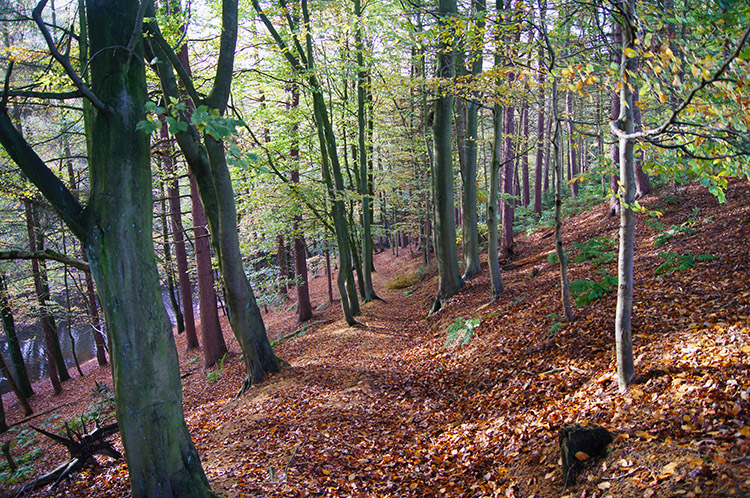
[(392, 409)]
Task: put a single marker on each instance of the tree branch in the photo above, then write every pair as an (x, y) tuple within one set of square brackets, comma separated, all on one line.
[(675, 114), (63, 60), (46, 254), (39, 174)]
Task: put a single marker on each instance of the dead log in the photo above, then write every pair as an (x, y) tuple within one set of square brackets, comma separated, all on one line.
[(527, 261), (82, 446)]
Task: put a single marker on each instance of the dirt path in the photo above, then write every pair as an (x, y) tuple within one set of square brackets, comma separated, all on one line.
[(335, 413)]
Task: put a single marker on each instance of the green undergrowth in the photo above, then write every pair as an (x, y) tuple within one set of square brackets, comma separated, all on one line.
[(23, 447), (214, 375), (408, 280), (678, 263), (460, 332), (588, 290)]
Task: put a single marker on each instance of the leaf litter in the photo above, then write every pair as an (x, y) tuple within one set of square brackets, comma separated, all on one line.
[(386, 410)]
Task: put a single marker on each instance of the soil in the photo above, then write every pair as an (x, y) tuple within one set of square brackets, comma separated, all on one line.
[(400, 407)]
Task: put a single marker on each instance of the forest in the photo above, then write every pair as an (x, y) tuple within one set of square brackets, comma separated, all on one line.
[(375, 248)]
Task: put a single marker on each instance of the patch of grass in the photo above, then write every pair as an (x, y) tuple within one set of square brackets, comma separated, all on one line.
[(461, 331), (194, 360), (675, 262), (406, 281)]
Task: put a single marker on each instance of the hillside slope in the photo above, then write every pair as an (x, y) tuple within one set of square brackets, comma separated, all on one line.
[(396, 408)]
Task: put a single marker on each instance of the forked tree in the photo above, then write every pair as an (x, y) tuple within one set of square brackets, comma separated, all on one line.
[(115, 226)]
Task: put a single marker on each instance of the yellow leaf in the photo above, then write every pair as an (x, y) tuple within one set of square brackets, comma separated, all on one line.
[(746, 349), (582, 456), (630, 53), (745, 431), (352, 477), (669, 469), (327, 472)]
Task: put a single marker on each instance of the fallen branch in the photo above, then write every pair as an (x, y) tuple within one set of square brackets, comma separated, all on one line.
[(81, 445), (301, 330), (527, 261), (36, 415)]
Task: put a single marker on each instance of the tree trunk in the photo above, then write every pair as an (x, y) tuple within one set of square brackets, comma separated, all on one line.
[(178, 240), (492, 204), (14, 346), (506, 244), (445, 221), (16, 390), (469, 167), (625, 123), (642, 182), (364, 176), (209, 167), (99, 340), (572, 156), (525, 190), (304, 307), (282, 284), (169, 267), (214, 346), (116, 227), (614, 201), (538, 170), (50, 338), (564, 286)]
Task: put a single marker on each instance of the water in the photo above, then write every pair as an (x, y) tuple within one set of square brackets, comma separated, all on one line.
[(31, 338)]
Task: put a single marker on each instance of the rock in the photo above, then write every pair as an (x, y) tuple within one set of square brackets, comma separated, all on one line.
[(577, 440)]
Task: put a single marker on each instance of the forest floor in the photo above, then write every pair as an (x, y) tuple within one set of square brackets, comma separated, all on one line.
[(399, 407)]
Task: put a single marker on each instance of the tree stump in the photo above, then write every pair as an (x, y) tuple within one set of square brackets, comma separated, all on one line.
[(578, 443)]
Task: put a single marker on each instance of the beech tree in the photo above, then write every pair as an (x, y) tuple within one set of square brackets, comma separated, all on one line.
[(115, 226), (205, 154)]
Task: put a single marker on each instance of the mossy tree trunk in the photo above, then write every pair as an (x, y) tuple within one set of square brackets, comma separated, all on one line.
[(442, 178), (116, 229)]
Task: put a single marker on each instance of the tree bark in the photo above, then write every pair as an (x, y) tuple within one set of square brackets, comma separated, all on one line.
[(364, 175), (207, 162), (492, 205), (214, 346), (445, 222), (469, 167), (304, 307), (51, 341), (14, 346), (178, 240), (16, 390), (116, 228), (626, 193), (572, 155)]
